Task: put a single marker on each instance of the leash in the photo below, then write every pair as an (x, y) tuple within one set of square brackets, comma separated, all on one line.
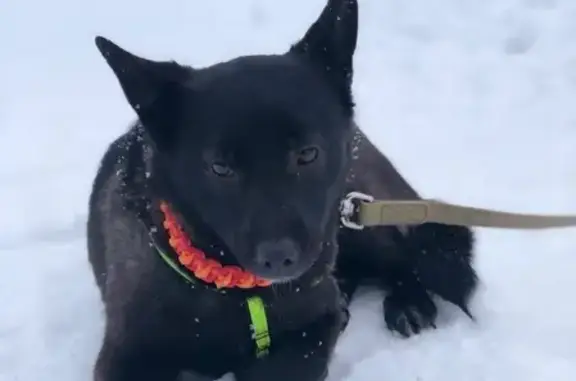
[(359, 210)]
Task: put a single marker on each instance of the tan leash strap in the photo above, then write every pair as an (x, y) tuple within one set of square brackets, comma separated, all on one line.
[(413, 212)]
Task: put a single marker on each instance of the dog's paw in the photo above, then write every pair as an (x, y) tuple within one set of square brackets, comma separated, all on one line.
[(409, 311)]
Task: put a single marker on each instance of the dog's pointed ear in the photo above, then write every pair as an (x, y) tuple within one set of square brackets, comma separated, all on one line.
[(331, 40), (152, 88)]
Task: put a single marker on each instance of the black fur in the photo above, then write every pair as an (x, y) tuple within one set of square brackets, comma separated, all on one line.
[(254, 155)]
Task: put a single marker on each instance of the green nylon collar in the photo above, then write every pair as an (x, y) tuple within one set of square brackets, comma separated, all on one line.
[(256, 307)]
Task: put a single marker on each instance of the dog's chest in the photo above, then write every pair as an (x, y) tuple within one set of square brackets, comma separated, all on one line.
[(210, 330)]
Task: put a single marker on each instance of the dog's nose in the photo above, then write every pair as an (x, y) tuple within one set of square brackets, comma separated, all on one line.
[(277, 257)]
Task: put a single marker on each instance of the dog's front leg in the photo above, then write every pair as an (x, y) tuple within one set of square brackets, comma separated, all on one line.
[(302, 355), (123, 361)]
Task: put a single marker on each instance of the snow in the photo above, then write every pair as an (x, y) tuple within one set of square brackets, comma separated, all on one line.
[(473, 100)]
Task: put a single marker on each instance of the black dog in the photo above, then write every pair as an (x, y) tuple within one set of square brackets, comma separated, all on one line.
[(250, 158)]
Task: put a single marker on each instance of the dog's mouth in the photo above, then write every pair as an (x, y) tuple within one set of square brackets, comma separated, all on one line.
[(270, 261), (281, 261), (275, 277)]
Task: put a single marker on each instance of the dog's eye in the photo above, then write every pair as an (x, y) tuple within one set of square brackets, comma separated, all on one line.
[(222, 169), (307, 155)]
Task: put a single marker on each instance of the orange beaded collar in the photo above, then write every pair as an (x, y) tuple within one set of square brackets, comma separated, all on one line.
[(205, 269)]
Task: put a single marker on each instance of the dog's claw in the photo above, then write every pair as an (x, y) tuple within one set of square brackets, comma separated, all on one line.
[(400, 325), (345, 319), (466, 311), (409, 313)]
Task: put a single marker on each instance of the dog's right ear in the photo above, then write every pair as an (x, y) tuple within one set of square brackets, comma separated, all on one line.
[(152, 88), (331, 41)]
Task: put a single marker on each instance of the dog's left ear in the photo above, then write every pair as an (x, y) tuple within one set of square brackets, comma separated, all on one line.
[(331, 41)]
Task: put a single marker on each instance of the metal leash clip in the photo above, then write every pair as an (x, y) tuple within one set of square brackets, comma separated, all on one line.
[(349, 208)]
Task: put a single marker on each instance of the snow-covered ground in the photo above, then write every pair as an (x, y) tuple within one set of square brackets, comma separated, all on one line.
[(474, 100)]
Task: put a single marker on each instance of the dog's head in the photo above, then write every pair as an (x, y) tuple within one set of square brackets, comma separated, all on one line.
[(256, 147)]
